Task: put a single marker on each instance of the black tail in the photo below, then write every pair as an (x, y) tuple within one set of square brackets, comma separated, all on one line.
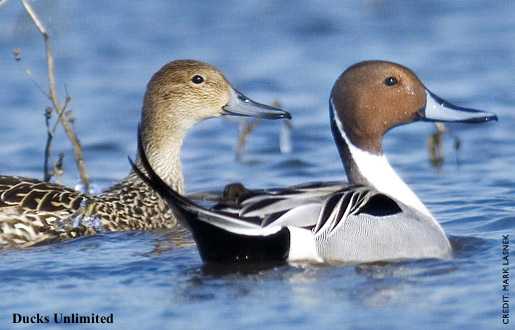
[(215, 242)]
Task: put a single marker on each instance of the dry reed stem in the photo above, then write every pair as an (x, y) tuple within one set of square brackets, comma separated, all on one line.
[(59, 110)]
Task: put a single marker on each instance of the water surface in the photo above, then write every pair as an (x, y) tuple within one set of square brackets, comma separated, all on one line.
[(291, 51)]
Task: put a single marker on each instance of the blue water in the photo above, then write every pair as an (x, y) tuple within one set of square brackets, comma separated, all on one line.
[(291, 51)]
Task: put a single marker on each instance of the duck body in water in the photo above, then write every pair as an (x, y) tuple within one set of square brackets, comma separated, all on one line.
[(375, 217)]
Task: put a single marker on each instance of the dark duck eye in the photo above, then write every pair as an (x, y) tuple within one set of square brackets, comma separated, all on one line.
[(390, 81), (197, 79)]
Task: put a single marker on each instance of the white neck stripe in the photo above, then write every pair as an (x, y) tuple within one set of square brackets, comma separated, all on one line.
[(377, 171)]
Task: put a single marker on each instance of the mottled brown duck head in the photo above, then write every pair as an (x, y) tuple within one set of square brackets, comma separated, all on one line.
[(184, 92), (181, 94)]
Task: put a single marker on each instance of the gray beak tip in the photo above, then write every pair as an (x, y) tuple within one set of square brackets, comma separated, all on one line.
[(240, 105), (484, 119), (287, 115), (437, 109)]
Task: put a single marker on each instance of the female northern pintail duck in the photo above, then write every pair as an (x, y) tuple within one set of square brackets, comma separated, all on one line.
[(179, 95), (377, 217)]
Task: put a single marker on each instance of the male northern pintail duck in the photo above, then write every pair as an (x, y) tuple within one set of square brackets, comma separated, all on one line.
[(376, 217), (179, 95)]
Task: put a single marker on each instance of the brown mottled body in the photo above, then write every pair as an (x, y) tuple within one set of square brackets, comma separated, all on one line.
[(32, 211)]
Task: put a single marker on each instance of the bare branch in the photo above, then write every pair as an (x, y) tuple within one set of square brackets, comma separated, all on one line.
[(285, 142), (62, 114), (34, 81), (58, 170), (47, 174), (50, 135), (35, 18), (52, 95), (435, 146), (246, 128)]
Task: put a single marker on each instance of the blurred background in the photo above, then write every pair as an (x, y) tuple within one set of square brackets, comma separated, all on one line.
[(287, 51), (290, 51)]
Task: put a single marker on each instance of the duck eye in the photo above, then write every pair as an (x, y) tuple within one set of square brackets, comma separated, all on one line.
[(197, 79), (390, 81)]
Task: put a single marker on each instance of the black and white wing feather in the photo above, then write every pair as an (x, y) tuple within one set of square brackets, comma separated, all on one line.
[(314, 222)]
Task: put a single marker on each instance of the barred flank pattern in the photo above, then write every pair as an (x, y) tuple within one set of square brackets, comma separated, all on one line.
[(32, 211)]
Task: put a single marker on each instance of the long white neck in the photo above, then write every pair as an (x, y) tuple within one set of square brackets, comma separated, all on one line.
[(377, 171)]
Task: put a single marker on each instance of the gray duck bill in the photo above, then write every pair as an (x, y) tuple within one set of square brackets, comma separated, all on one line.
[(240, 105), (437, 109)]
